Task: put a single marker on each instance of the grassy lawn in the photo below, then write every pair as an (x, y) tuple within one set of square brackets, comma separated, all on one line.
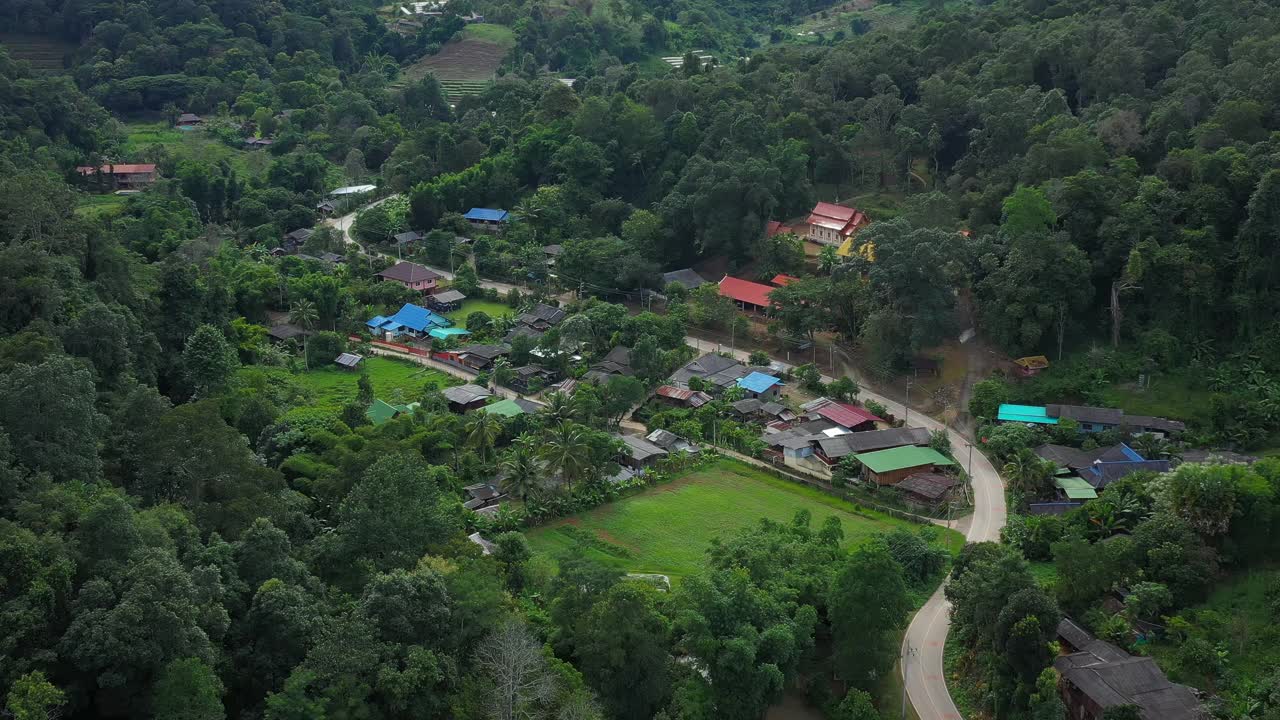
[(492, 309), (1176, 396), (96, 205), (394, 381), (488, 32), (1045, 573), (667, 529), (193, 145), (141, 135)]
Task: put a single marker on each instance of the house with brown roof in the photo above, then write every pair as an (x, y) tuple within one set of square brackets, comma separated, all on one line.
[(831, 224), (411, 275), (123, 176)]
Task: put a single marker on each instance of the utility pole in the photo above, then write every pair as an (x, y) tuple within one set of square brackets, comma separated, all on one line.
[(906, 662), (906, 407)]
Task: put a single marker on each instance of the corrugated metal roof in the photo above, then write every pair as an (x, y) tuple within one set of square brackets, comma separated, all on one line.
[(758, 382), (745, 291), (845, 415), (486, 214), (1025, 414), (900, 458)]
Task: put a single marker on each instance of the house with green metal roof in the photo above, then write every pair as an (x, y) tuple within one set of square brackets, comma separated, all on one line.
[(380, 411), (1033, 414), (889, 467), (511, 407), (1075, 488)]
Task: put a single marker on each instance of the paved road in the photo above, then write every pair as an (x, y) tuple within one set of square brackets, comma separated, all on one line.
[(923, 643)]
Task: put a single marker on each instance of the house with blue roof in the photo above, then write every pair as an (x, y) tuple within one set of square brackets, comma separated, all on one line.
[(411, 320), (1030, 414), (760, 385), (487, 219)]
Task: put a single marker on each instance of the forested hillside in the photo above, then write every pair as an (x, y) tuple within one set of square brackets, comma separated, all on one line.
[(194, 525)]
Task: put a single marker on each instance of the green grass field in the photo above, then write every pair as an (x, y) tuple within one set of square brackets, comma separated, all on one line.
[(1176, 395), (488, 32), (394, 381), (98, 205), (492, 309), (667, 529), (195, 144)]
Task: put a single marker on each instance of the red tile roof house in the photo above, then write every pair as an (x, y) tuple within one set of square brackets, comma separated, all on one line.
[(411, 275), (123, 176), (831, 224), (750, 296), (773, 228)]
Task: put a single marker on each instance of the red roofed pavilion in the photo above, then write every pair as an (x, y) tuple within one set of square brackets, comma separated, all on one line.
[(750, 296), (831, 224)]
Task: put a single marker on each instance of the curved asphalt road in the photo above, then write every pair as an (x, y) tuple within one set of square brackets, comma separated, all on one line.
[(922, 645)]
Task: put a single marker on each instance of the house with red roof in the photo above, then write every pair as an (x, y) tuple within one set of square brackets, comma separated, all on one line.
[(782, 280), (121, 176), (831, 224), (750, 296), (773, 227)]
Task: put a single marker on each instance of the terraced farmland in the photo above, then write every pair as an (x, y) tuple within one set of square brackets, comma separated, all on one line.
[(44, 53), (467, 64)]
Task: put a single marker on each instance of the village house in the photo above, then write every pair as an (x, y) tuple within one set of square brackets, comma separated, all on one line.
[(1096, 469), (326, 207), (750, 296), (890, 467), (716, 372), (286, 331), (411, 275), (482, 495), (407, 237), (531, 378), (831, 224), (687, 278), (550, 253), (1090, 419), (853, 418), (254, 143), (639, 453), (380, 412), (481, 357), (617, 363), (833, 449), (465, 398), (187, 121), (927, 490), (760, 386), (1094, 675), (511, 407), (755, 409), (671, 442), (411, 320), (487, 219), (124, 176), (681, 397)]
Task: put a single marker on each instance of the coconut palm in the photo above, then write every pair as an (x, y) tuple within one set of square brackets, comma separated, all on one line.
[(1027, 472), (483, 431), (521, 469), (529, 211), (303, 314), (559, 407), (565, 451)]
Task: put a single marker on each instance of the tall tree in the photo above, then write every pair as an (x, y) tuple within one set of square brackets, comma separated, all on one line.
[(868, 607)]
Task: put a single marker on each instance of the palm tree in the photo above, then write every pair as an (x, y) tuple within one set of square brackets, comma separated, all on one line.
[(483, 432), (559, 407), (529, 211), (565, 451), (521, 470), (1027, 472), (303, 314)]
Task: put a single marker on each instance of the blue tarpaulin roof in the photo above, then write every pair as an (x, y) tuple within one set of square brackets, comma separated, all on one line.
[(1025, 414), (419, 318), (758, 382), (486, 214)]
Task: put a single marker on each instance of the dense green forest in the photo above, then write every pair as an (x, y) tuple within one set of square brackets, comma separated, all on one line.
[(189, 530)]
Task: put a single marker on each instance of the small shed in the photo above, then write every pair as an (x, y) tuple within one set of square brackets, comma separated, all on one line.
[(380, 411), (446, 301), (348, 361), (927, 489), (892, 466), (286, 331), (640, 453)]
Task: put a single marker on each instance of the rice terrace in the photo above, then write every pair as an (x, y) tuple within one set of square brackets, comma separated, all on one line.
[(465, 66), (668, 528)]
